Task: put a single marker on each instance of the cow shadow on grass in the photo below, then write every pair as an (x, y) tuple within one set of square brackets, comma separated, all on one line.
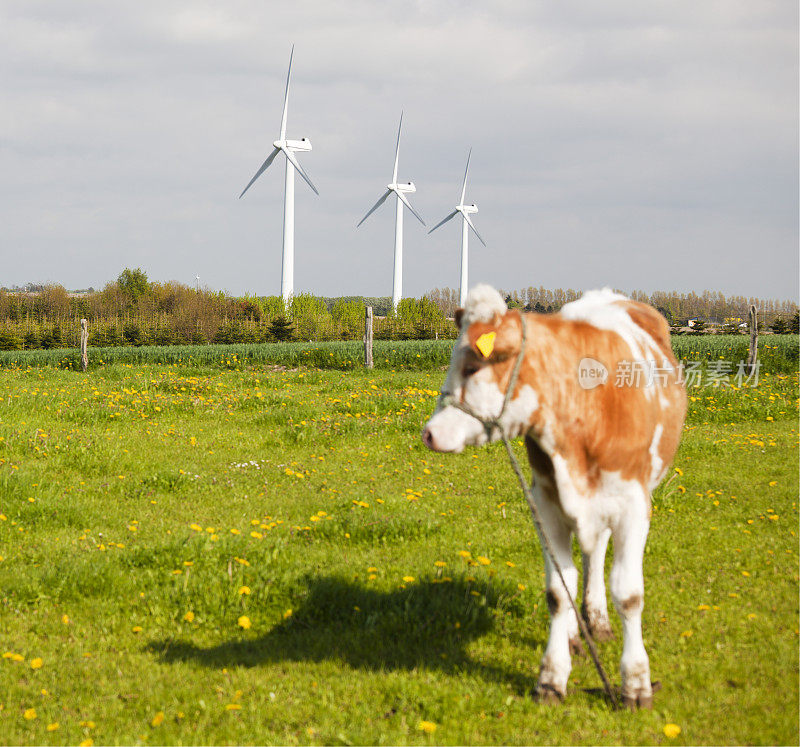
[(426, 625)]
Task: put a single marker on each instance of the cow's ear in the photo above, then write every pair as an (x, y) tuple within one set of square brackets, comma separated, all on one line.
[(496, 339), (459, 317)]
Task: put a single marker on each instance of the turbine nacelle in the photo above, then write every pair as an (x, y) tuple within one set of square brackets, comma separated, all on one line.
[(294, 145), (406, 188), (467, 209)]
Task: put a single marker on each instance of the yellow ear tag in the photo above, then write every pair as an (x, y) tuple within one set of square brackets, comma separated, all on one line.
[(485, 343)]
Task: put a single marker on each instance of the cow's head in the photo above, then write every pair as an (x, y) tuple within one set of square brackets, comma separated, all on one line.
[(480, 368)]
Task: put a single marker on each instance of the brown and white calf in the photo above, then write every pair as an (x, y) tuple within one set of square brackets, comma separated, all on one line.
[(598, 442)]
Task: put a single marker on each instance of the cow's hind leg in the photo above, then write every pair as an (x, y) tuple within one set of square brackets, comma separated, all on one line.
[(595, 607), (556, 663), (627, 591)]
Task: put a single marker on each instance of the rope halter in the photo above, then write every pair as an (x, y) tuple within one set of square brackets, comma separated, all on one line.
[(448, 399)]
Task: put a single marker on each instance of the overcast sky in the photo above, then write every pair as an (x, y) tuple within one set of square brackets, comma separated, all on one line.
[(643, 145)]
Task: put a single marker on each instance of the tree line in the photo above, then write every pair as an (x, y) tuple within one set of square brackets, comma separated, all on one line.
[(132, 310)]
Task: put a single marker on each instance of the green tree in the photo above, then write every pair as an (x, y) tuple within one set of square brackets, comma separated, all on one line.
[(311, 317), (133, 283), (794, 323), (348, 315), (281, 329)]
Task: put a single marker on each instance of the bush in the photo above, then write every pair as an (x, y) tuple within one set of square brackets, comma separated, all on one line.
[(32, 339), (281, 329), (10, 341), (51, 338), (348, 316), (234, 332), (311, 317), (132, 334), (779, 326), (162, 335), (105, 336), (271, 307)]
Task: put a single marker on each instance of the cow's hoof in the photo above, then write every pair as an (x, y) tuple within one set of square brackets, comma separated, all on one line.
[(547, 695), (598, 624), (601, 631), (576, 646), (633, 702)]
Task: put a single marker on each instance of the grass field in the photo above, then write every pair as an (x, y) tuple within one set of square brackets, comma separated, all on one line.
[(197, 554)]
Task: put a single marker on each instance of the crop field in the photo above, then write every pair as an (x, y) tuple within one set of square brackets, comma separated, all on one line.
[(777, 353), (212, 551)]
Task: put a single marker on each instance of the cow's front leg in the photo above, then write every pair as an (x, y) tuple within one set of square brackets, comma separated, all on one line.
[(556, 662), (595, 607), (627, 591)]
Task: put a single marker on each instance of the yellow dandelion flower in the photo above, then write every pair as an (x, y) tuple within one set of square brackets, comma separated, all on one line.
[(408, 579), (244, 622), (136, 629), (157, 719), (287, 614), (440, 564), (465, 553), (53, 726), (36, 663), (672, 730), (88, 742), (29, 714), (687, 634), (483, 560), (233, 707), (244, 590), (189, 616), (427, 726)]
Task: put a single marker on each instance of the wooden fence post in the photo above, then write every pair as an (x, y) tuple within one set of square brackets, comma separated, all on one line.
[(84, 346), (752, 353), (368, 338)]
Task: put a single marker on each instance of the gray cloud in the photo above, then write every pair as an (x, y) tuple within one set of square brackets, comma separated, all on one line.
[(641, 145)]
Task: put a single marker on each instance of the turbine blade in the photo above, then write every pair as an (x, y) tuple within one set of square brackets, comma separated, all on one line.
[(475, 230), (443, 221), (300, 170), (464, 186), (286, 97), (264, 167), (376, 206), (405, 201), (397, 150)]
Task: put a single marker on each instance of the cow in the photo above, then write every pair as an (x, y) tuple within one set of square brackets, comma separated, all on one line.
[(600, 402)]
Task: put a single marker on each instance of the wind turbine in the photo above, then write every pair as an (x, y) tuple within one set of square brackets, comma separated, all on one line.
[(288, 148), (466, 224), (400, 190)]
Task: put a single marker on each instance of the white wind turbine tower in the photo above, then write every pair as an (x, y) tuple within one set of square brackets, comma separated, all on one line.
[(400, 190), (288, 148), (466, 224)]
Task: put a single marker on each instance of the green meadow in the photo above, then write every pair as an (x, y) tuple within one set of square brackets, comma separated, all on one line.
[(235, 553)]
